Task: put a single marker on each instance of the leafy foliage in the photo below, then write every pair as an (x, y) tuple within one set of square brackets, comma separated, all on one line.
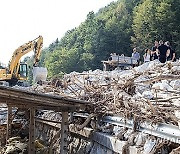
[(84, 47), (156, 20), (118, 28)]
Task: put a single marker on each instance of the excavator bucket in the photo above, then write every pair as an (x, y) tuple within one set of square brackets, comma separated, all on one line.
[(39, 74)]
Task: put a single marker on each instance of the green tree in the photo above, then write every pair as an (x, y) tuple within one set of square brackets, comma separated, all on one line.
[(115, 28), (156, 20), (85, 46)]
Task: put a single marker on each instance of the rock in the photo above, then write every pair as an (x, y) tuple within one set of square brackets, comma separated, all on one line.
[(175, 84), (147, 94)]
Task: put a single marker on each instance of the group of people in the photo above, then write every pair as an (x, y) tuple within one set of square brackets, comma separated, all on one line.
[(160, 50)]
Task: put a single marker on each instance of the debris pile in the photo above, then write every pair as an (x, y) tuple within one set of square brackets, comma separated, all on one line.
[(15, 145), (148, 92)]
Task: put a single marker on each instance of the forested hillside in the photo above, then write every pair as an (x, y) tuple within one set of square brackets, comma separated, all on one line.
[(118, 27)]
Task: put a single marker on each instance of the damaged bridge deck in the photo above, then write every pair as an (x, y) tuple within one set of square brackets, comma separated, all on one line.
[(31, 101), (18, 97)]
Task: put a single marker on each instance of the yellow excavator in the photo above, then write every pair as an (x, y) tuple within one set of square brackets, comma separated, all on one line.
[(17, 71)]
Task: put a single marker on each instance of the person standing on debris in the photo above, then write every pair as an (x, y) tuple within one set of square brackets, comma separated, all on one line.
[(136, 56), (163, 50), (154, 51), (147, 55), (171, 55)]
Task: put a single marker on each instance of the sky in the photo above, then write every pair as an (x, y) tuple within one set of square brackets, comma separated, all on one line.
[(24, 20)]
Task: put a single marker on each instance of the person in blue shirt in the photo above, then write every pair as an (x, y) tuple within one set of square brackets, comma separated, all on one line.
[(136, 55)]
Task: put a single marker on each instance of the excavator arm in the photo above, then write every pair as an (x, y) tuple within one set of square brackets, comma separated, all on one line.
[(34, 45)]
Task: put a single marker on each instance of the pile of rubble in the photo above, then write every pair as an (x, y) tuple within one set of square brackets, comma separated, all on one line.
[(148, 92), (17, 145)]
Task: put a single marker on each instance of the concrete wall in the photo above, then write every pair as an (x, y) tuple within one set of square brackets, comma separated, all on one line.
[(87, 141)]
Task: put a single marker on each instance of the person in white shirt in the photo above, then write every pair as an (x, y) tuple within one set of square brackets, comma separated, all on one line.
[(147, 55)]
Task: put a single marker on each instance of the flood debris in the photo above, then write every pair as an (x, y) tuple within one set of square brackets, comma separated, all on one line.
[(15, 145), (149, 92)]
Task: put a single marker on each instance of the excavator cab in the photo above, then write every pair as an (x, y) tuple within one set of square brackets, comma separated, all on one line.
[(23, 71), (22, 76)]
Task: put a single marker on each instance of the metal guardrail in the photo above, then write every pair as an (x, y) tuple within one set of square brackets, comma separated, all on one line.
[(162, 130), (3, 115), (165, 131)]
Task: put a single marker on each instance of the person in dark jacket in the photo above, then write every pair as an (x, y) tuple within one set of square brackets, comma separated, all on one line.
[(163, 50), (154, 52), (171, 55)]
